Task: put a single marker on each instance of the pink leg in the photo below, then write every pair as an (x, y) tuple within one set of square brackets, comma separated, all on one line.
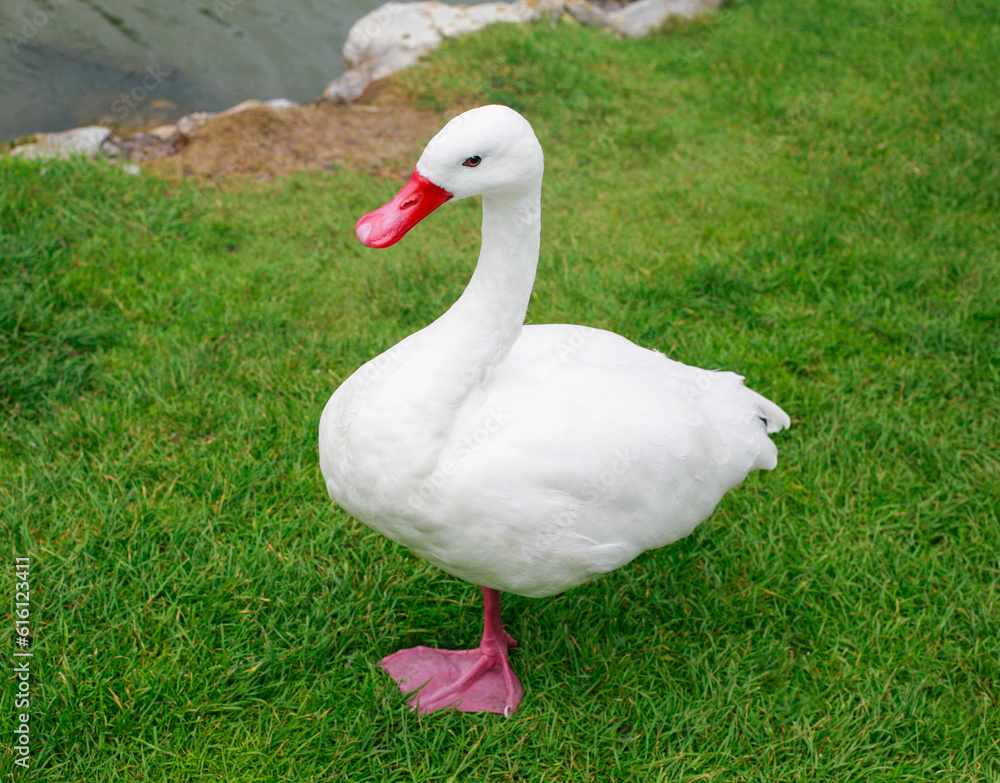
[(479, 680)]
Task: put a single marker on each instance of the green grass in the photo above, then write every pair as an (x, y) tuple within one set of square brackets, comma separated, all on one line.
[(808, 194)]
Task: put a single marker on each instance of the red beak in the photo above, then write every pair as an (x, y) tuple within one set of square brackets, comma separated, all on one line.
[(387, 225)]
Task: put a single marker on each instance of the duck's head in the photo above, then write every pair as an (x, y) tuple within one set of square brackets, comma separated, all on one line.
[(489, 151)]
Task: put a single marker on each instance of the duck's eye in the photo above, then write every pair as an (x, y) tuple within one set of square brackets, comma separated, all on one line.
[(472, 162)]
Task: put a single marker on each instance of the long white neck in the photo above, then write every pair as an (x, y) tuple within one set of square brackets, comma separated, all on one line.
[(487, 318), (435, 369)]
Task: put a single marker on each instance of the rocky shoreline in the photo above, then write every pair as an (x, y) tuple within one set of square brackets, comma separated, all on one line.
[(390, 38)]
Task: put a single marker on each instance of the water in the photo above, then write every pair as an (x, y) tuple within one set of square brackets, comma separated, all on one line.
[(65, 63)]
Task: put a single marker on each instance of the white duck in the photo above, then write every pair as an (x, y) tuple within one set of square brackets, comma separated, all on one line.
[(522, 458)]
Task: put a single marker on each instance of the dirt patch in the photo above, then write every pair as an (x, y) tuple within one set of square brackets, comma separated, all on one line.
[(381, 136)]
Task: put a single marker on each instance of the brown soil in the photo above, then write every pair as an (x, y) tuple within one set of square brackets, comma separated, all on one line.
[(383, 135)]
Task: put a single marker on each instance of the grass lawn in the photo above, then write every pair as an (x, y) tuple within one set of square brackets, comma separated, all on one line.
[(806, 193)]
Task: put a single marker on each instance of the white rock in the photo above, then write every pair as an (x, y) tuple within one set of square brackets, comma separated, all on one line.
[(189, 123), (79, 141), (280, 103), (639, 18), (253, 103), (163, 132), (646, 15), (395, 35)]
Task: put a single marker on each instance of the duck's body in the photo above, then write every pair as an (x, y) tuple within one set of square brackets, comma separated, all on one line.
[(522, 458), (578, 452)]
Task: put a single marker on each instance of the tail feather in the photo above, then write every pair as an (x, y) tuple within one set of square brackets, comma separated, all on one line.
[(774, 418)]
